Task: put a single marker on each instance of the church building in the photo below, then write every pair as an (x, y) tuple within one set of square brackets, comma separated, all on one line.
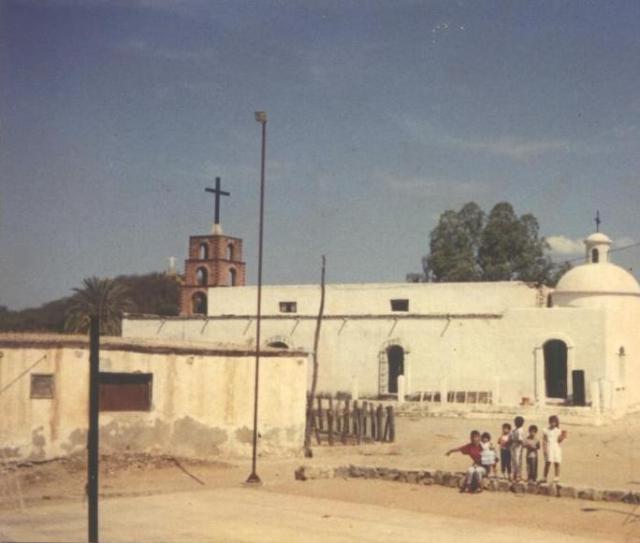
[(491, 343)]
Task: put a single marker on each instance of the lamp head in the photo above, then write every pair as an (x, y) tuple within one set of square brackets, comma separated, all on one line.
[(261, 116)]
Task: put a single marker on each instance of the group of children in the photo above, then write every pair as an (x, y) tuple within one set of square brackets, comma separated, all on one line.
[(515, 447)]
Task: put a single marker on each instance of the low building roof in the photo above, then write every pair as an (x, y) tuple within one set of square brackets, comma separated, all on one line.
[(144, 345)]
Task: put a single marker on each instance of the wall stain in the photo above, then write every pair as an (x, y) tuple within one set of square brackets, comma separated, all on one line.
[(244, 435), (38, 441), (76, 440), (134, 436), (201, 439)]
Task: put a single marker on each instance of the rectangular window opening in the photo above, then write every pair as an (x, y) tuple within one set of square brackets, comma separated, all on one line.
[(288, 307), (400, 305), (125, 391), (42, 385)]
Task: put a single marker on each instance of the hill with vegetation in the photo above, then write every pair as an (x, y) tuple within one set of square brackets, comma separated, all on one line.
[(153, 293)]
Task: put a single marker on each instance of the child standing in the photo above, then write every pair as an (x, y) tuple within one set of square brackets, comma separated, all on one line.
[(532, 445), (488, 457), (516, 439), (505, 451), (551, 439), (473, 480)]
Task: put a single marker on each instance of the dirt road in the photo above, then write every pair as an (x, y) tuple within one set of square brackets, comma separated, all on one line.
[(268, 515)]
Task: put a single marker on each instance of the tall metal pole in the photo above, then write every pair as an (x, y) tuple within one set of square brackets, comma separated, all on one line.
[(92, 441), (261, 117)]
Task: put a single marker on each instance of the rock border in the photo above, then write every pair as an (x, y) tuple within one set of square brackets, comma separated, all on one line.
[(455, 480)]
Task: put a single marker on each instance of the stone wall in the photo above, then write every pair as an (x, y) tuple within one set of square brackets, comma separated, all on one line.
[(456, 480)]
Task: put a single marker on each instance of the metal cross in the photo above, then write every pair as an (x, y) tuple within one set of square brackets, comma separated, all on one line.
[(598, 221), (218, 192)]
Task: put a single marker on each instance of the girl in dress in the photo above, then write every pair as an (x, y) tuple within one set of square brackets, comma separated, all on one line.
[(551, 439)]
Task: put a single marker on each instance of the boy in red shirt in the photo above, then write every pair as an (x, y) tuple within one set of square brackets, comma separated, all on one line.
[(473, 449)]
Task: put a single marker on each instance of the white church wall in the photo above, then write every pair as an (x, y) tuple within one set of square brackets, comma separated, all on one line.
[(622, 360), (494, 354), (374, 299)]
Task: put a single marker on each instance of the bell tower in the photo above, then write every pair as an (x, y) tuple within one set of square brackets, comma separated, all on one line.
[(214, 260)]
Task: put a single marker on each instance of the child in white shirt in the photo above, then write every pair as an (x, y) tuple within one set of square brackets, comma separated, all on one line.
[(551, 439)]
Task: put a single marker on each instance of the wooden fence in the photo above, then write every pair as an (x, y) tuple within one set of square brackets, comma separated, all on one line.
[(350, 422)]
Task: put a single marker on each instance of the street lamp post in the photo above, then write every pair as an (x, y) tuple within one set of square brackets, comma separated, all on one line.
[(261, 117)]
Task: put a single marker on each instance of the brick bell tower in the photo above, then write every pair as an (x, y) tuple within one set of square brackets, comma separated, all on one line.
[(214, 260)]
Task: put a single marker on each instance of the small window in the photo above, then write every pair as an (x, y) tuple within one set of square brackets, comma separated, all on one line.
[(400, 305), (288, 307), (125, 391), (42, 385)]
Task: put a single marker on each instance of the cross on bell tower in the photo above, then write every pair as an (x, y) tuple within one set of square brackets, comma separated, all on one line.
[(597, 221), (214, 260), (218, 193)]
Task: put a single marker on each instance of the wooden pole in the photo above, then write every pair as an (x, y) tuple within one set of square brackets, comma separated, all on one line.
[(379, 427), (314, 376), (93, 435), (392, 424), (330, 419)]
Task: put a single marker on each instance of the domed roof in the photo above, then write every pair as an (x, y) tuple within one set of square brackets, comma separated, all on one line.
[(598, 278), (598, 237)]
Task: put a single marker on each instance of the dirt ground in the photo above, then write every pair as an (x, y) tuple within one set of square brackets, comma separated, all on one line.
[(602, 457)]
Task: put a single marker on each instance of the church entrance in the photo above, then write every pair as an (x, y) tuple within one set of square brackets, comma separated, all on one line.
[(555, 369), (395, 361), (199, 304)]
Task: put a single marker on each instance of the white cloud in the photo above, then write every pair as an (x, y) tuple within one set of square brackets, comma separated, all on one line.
[(143, 48), (562, 245), (624, 241), (513, 148)]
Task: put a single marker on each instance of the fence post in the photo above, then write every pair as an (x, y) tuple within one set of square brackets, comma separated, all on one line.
[(391, 425), (379, 427), (365, 415), (345, 422), (320, 417)]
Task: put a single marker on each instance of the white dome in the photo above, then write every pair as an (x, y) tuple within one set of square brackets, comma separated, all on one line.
[(598, 278), (598, 237)]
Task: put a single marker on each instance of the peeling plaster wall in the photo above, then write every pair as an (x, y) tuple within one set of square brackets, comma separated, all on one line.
[(202, 405)]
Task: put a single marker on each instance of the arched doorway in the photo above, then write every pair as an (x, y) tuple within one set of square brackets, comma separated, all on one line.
[(199, 304), (232, 277), (555, 369), (395, 362)]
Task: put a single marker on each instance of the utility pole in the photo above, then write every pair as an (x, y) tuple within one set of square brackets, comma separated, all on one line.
[(92, 438), (261, 117)]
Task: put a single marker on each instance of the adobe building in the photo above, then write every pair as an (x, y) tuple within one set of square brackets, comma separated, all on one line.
[(175, 397), (496, 343)]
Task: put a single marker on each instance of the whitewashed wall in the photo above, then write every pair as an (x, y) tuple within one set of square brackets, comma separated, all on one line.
[(202, 405), (474, 337)]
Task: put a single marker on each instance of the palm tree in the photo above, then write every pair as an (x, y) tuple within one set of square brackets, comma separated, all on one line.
[(104, 298)]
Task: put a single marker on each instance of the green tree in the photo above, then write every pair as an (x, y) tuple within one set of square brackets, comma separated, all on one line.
[(511, 247), (105, 298), (467, 246), (454, 245)]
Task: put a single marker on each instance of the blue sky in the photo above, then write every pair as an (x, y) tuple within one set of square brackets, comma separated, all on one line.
[(114, 116)]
